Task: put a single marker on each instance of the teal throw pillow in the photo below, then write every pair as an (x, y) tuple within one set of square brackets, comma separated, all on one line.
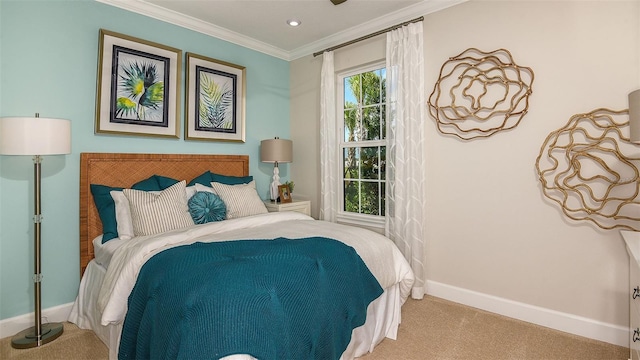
[(230, 180), (154, 183), (107, 207), (208, 177), (106, 210), (202, 179), (206, 207)]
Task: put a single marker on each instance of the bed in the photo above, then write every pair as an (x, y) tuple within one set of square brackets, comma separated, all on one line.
[(112, 271)]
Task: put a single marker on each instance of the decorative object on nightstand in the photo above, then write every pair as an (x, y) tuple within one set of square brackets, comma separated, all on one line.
[(291, 185), (301, 206), (276, 151), (35, 136), (285, 193)]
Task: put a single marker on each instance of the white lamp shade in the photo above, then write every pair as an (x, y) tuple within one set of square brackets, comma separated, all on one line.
[(34, 136), (634, 116), (276, 150)]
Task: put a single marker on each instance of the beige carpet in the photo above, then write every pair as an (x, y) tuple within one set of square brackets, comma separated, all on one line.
[(74, 343), (431, 329)]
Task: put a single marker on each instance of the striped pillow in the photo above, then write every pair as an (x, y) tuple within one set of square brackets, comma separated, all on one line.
[(156, 213), (241, 200)]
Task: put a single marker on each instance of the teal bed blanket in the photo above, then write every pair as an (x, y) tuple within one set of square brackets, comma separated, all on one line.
[(272, 299)]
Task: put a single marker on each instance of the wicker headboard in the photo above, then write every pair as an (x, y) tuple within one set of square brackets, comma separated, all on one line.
[(124, 170)]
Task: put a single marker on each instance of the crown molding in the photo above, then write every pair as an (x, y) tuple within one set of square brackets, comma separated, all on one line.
[(169, 16), (191, 23)]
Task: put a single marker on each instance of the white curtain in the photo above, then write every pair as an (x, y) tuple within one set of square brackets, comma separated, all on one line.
[(328, 140), (405, 189)]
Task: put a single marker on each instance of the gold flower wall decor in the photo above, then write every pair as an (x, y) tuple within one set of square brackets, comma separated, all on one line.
[(479, 94), (589, 169)]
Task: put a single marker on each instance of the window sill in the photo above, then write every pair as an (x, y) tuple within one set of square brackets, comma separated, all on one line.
[(376, 223)]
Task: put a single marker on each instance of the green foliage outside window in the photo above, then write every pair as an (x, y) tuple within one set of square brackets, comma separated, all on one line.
[(364, 154)]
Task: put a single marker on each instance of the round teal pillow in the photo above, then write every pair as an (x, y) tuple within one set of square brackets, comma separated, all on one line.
[(206, 207)]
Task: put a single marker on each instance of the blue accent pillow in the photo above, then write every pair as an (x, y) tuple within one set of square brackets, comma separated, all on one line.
[(208, 177), (206, 207), (106, 210)]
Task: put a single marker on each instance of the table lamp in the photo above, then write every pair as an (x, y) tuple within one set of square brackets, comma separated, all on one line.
[(276, 151)]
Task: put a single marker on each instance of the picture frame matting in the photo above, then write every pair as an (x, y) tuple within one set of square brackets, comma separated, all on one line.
[(214, 99), (138, 87)]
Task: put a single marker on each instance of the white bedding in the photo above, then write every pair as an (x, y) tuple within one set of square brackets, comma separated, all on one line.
[(104, 252), (380, 255), (378, 252)]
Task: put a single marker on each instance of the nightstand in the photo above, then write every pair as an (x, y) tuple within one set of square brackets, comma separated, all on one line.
[(301, 206)]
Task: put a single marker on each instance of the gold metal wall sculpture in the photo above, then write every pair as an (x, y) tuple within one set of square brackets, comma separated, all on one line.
[(589, 169), (487, 93)]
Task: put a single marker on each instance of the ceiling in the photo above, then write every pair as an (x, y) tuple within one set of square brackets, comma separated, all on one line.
[(262, 24)]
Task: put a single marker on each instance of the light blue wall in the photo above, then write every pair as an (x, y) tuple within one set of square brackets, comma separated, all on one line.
[(48, 61)]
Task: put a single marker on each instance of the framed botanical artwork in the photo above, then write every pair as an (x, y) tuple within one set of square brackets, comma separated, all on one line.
[(214, 100), (138, 87), (285, 193)]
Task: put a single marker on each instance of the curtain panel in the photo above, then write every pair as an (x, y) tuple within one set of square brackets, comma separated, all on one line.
[(328, 140), (405, 187), (406, 148)]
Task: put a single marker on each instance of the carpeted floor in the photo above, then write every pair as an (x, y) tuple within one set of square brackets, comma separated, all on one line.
[(73, 344), (438, 329), (431, 329)]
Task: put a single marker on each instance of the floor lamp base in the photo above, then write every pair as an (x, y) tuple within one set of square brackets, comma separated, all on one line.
[(27, 338)]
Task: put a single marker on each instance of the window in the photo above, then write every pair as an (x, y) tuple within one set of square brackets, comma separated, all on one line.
[(362, 113)]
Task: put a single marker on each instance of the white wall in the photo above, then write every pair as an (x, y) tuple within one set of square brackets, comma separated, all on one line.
[(304, 80), (490, 229)]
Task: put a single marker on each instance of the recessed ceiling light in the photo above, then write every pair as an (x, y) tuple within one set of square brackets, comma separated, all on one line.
[(294, 22)]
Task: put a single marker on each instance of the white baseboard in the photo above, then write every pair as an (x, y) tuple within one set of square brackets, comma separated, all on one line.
[(577, 325), (12, 326)]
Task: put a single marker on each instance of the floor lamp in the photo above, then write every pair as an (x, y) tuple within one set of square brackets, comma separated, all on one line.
[(36, 137), (276, 151)]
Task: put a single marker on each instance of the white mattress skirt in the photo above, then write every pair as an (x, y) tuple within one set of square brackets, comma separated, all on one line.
[(85, 313), (383, 318)]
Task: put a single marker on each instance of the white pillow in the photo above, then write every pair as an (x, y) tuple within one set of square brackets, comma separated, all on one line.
[(156, 213), (123, 211), (123, 215), (241, 200), (200, 187), (191, 190)]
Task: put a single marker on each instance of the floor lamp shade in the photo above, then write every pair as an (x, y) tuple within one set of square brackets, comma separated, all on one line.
[(634, 116), (35, 136), (276, 151)]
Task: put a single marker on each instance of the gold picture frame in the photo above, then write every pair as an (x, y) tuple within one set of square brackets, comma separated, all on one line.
[(214, 100), (285, 193), (138, 87)]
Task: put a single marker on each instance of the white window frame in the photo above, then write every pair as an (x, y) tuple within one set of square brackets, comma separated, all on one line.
[(374, 221)]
